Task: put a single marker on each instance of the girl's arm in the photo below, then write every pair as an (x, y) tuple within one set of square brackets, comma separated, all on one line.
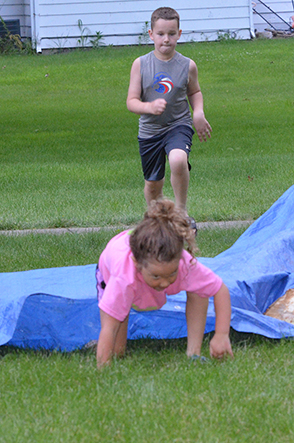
[(112, 339), (196, 312), (195, 98), (134, 103), (220, 344)]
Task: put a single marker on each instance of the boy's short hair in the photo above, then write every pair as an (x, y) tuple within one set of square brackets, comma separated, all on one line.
[(166, 14)]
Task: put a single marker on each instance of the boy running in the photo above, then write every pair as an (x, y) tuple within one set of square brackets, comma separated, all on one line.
[(160, 83)]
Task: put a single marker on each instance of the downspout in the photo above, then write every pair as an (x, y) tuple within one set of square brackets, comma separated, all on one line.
[(35, 24), (251, 22)]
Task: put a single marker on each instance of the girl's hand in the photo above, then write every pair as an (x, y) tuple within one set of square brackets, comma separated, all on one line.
[(220, 346)]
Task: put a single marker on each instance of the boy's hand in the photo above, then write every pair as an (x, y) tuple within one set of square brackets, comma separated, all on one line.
[(202, 126), (220, 346), (158, 106)]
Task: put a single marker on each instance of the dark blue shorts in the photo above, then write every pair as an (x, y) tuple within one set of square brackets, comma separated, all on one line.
[(154, 150)]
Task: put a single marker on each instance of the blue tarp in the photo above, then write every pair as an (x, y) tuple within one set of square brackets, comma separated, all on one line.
[(57, 308)]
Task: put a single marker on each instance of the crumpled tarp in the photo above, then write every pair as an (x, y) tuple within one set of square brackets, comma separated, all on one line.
[(57, 308)]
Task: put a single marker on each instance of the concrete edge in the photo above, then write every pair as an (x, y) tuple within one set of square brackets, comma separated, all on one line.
[(60, 231)]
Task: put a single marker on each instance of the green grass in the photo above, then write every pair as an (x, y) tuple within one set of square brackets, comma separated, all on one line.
[(69, 157), (69, 153), (154, 395), (37, 251)]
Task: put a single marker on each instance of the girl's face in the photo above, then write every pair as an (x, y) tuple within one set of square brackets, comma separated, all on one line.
[(165, 35), (159, 275)]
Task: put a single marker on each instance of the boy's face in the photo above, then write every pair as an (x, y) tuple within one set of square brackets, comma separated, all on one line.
[(165, 34)]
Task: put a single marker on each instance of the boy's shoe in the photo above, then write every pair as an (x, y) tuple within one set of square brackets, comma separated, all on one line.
[(193, 225)]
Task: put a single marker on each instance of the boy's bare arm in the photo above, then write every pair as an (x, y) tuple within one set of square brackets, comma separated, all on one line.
[(195, 98), (220, 343), (134, 103)]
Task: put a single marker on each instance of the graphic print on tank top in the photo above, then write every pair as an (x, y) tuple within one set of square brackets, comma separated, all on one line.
[(163, 83)]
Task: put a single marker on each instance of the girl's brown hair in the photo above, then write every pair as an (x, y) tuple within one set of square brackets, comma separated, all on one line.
[(162, 234)]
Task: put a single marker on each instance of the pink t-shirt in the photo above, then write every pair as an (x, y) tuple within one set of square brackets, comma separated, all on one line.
[(126, 288)]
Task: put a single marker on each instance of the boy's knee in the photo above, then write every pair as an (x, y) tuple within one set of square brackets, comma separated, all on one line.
[(178, 161)]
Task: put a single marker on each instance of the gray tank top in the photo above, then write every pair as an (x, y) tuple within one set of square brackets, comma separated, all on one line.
[(167, 80)]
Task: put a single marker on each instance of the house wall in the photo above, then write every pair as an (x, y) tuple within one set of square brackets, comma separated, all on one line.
[(54, 23), (122, 22), (284, 9), (17, 9), (26, 28)]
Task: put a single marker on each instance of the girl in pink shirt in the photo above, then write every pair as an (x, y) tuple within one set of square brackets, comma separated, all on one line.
[(139, 268)]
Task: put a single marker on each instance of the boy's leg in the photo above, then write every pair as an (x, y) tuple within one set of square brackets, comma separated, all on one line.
[(153, 156), (153, 190), (178, 161)]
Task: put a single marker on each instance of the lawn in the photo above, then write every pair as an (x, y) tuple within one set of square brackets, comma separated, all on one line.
[(69, 157), (154, 395), (69, 153)]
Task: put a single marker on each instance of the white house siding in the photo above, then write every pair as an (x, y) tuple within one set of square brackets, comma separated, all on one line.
[(26, 28), (279, 20), (122, 22), (54, 23), (17, 9), (11, 9)]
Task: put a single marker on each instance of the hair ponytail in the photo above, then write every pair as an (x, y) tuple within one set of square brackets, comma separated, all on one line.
[(162, 234)]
